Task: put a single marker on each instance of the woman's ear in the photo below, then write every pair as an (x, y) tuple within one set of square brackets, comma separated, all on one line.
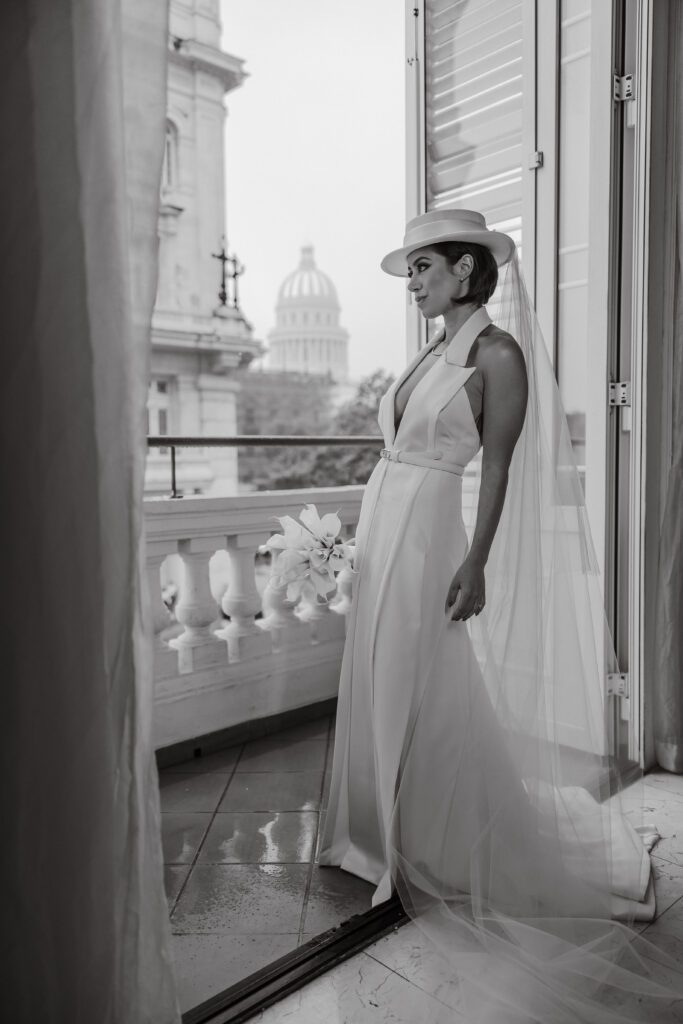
[(464, 266)]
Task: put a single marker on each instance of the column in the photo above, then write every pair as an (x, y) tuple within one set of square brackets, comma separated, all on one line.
[(197, 646), (241, 601), (285, 627), (165, 658)]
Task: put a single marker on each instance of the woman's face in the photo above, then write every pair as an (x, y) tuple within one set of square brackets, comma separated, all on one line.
[(434, 281)]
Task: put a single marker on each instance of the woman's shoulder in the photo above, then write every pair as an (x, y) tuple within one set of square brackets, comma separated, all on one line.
[(497, 351)]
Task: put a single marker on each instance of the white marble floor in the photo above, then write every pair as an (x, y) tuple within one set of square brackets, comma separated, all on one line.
[(394, 983)]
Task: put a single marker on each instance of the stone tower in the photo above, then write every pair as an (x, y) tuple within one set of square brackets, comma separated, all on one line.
[(197, 341)]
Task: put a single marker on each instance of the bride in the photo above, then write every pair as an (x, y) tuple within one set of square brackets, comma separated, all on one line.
[(471, 771)]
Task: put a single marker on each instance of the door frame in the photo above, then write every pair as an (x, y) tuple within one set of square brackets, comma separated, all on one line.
[(618, 299), (416, 156), (630, 424)]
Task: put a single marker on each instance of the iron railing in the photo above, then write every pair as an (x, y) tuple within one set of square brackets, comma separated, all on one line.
[(174, 442)]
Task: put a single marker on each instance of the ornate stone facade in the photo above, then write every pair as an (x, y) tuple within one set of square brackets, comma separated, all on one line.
[(197, 340)]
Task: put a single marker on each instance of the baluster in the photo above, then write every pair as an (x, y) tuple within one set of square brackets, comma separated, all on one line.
[(323, 623), (196, 610), (165, 660), (342, 601), (285, 627), (241, 601)]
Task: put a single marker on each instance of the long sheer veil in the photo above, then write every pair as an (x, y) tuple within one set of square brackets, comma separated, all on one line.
[(510, 846)]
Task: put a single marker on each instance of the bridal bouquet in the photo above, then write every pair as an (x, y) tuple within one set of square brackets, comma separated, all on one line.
[(308, 555)]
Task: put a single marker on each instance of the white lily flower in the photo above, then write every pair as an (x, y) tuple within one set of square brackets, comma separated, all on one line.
[(337, 562), (307, 556), (289, 559), (326, 527), (274, 542), (295, 589), (296, 535), (323, 583), (319, 557)]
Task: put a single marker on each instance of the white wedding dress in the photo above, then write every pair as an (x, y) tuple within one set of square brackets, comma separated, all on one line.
[(410, 541), (449, 782)]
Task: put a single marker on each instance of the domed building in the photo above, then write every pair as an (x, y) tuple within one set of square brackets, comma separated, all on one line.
[(307, 337)]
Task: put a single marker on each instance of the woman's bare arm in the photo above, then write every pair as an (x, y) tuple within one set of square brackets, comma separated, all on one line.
[(503, 368)]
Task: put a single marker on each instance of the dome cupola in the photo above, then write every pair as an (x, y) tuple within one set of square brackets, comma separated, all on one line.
[(307, 337), (308, 284)]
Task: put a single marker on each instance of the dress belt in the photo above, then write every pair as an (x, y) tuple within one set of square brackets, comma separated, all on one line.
[(430, 459)]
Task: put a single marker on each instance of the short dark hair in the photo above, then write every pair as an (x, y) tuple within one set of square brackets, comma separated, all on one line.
[(484, 276)]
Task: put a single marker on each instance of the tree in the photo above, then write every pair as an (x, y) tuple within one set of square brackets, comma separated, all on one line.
[(334, 466), (276, 402)]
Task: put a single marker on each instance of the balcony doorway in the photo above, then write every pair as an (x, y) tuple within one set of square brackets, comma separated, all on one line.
[(272, 317)]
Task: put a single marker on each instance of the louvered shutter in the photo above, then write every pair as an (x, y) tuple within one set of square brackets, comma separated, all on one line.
[(474, 111)]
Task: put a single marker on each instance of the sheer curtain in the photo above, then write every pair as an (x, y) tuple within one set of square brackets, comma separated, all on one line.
[(86, 935), (668, 680)]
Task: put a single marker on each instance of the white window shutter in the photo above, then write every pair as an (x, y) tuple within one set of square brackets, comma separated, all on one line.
[(475, 135)]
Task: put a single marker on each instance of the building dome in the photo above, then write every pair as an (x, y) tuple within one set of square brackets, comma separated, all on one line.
[(307, 282), (307, 337)]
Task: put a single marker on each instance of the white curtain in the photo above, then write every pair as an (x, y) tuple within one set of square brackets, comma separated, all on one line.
[(85, 921), (668, 681)]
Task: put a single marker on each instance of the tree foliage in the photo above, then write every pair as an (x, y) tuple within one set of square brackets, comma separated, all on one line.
[(332, 467), (294, 408), (273, 402)]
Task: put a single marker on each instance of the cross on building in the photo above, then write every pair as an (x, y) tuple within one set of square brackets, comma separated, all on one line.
[(233, 274)]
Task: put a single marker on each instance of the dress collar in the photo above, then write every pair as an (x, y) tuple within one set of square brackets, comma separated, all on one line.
[(462, 341)]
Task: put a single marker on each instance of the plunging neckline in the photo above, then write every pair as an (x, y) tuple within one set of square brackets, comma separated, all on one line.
[(425, 352), (456, 354)]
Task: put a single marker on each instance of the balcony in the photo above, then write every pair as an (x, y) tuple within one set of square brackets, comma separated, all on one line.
[(244, 692), (245, 686), (235, 651)]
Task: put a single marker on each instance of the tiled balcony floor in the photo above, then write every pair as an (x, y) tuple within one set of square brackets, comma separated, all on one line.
[(240, 830), (393, 981)]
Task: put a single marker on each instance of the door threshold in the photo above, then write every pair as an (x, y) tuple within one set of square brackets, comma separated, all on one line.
[(293, 970)]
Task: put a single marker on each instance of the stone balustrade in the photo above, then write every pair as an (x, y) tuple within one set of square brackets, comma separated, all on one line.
[(234, 648)]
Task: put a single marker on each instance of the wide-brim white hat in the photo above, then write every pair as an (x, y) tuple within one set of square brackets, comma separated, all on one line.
[(450, 225)]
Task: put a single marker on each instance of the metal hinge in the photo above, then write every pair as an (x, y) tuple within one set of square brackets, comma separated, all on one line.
[(617, 684), (535, 160), (620, 392), (415, 60), (624, 88)]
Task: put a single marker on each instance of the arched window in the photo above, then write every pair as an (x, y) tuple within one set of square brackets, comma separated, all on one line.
[(169, 174)]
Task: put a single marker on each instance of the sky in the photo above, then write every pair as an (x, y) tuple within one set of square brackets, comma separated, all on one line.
[(315, 154)]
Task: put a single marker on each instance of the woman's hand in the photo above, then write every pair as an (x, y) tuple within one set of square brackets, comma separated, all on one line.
[(467, 593)]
